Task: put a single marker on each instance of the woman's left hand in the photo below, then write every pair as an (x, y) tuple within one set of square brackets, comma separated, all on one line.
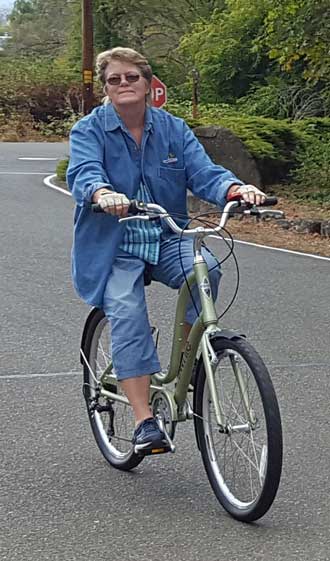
[(249, 193)]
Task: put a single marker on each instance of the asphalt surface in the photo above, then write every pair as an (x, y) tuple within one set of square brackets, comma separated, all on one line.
[(59, 500)]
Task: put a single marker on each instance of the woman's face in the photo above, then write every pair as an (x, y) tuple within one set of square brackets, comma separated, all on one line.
[(125, 85)]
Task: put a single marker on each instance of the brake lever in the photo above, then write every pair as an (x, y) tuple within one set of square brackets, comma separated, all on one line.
[(140, 217)]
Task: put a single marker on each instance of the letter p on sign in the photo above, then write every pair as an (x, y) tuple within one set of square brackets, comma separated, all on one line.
[(158, 92)]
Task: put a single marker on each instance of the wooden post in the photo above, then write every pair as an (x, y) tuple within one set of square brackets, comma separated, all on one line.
[(87, 55), (195, 92)]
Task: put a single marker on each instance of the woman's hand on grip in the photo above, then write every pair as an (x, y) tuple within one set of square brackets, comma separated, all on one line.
[(112, 202)]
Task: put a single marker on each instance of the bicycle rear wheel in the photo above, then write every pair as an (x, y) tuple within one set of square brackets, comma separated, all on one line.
[(112, 421), (243, 459)]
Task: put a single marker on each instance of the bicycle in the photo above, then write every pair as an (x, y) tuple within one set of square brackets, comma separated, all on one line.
[(235, 411)]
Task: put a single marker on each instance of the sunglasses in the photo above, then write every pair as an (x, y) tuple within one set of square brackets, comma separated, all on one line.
[(116, 80)]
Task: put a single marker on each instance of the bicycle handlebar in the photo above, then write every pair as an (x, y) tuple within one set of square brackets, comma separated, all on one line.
[(147, 211), (269, 201)]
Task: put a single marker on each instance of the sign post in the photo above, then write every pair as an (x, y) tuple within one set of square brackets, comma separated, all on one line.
[(158, 92)]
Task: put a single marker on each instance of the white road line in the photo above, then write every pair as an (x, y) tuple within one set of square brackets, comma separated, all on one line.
[(41, 375), (23, 172), (284, 250), (290, 251), (38, 159), (48, 182), (271, 366)]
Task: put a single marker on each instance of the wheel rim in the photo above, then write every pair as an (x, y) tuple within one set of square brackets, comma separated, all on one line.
[(238, 457), (119, 444)]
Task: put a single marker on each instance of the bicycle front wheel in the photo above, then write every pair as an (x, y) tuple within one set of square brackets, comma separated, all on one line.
[(112, 421), (243, 457)]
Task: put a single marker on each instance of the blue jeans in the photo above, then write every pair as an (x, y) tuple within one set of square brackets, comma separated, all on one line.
[(132, 346)]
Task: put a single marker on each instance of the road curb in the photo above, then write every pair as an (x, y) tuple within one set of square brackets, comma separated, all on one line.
[(51, 180)]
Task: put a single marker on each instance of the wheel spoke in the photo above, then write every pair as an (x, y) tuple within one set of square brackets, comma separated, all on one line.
[(237, 456), (113, 427)]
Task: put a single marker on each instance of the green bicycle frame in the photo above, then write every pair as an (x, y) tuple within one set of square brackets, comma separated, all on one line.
[(182, 361)]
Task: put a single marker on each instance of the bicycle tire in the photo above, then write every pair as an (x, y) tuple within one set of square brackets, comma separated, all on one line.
[(245, 486), (116, 448)]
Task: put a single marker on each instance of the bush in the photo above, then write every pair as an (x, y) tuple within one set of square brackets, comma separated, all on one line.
[(34, 94), (283, 100), (311, 178), (273, 143), (61, 168)]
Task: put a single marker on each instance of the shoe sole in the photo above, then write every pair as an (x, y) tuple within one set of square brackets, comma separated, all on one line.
[(152, 448)]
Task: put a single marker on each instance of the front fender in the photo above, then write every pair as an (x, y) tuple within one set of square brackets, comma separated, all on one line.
[(227, 334)]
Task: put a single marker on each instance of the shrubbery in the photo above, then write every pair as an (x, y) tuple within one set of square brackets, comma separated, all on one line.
[(61, 169), (311, 178)]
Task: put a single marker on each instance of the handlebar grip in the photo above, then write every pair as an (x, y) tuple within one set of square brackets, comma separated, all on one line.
[(96, 208), (270, 201), (135, 207)]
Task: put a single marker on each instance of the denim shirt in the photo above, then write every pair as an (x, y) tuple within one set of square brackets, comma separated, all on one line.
[(172, 160)]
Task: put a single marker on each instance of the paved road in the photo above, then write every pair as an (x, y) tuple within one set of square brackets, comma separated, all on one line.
[(59, 499)]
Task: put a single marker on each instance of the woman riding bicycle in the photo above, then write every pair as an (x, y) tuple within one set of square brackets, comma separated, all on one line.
[(123, 150)]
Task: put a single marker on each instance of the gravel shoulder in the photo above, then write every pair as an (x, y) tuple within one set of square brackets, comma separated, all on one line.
[(270, 233)]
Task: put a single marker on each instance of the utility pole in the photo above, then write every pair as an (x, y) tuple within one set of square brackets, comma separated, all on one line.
[(87, 55)]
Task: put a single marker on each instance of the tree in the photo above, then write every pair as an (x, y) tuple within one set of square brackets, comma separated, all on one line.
[(39, 26), (223, 49), (297, 36)]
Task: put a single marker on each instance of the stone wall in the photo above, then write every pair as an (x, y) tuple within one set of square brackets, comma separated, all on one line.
[(227, 150)]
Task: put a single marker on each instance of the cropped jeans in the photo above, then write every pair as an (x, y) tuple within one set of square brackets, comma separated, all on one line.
[(132, 346)]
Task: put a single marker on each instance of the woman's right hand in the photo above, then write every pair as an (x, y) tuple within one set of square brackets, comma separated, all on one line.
[(112, 202)]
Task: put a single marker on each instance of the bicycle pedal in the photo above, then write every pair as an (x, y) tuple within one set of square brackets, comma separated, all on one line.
[(147, 450)]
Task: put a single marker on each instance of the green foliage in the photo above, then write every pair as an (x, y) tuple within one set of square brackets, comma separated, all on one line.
[(59, 128), (297, 152), (265, 138), (272, 57), (39, 86), (61, 168), (284, 99), (39, 27), (222, 48), (311, 177), (153, 29), (297, 37)]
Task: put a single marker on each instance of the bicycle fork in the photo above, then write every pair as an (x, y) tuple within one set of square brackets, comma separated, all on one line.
[(210, 362)]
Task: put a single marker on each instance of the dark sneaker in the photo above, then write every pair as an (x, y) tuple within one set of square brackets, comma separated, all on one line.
[(148, 438)]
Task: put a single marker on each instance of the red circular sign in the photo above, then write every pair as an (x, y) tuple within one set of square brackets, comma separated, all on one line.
[(158, 92)]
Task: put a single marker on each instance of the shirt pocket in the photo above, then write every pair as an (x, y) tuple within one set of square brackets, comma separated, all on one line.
[(174, 176)]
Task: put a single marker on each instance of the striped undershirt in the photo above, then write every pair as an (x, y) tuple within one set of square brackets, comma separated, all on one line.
[(142, 238)]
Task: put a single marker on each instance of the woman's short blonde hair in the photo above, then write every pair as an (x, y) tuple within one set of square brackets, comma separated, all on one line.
[(124, 54)]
